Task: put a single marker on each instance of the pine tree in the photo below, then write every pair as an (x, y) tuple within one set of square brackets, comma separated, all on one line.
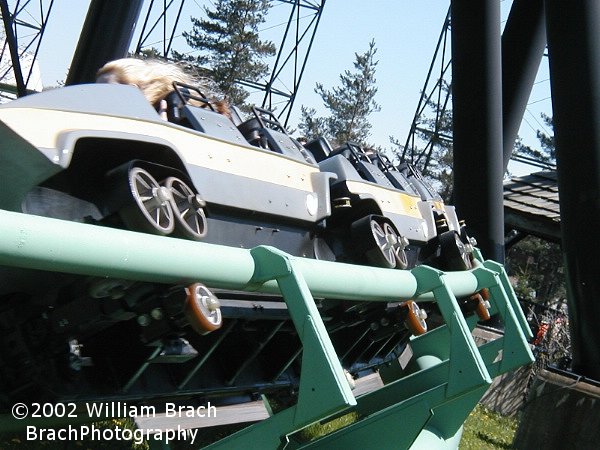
[(349, 104), (432, 151), (230, 45), (547, 153), (311, 126)]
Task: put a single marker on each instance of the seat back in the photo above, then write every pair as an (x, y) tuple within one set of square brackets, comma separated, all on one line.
[(363, 163), (319, 148), (212, 123), (202, 118), (264, 130)]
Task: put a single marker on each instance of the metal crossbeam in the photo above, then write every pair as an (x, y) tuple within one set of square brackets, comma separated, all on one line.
[(158, 19), (24, 29)]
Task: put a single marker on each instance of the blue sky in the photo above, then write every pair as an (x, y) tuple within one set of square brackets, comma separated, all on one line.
[(405, 33)]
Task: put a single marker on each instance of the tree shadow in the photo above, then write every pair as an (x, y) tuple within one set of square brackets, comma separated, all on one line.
[(492, 441)]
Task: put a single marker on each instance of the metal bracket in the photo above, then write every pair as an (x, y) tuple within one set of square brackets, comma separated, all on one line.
[(324, 389)]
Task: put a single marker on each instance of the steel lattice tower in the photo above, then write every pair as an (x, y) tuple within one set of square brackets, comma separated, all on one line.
[(162, 24), (23, 30)]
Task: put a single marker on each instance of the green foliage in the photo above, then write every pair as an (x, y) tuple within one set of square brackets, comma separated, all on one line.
[(148, 53), (485, 429), (350, 104), (432, 150), (547, 154), (318, 430), (536, 267), (230, 45), (310, 125)]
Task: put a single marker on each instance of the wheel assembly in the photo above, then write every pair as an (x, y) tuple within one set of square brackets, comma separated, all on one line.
[(454, 254), (481, 307), (415, 318), (383, 252), (190, 219), (150, 210), (202, 309), (485, 293), (401, 258), (383, 246)]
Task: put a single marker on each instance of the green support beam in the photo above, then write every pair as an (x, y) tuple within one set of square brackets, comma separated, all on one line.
[(56, 245), (421, 406)]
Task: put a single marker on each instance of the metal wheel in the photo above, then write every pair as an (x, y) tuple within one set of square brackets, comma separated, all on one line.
[(150, 210), (190, 220), (401, 258), (390, 245), (385, 239), (202, 309), (380, 243), (454, 253), (485, 293), (415, 318), (482, 307)]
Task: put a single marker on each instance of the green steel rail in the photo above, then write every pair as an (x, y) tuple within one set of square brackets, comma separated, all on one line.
[(421, 406)]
